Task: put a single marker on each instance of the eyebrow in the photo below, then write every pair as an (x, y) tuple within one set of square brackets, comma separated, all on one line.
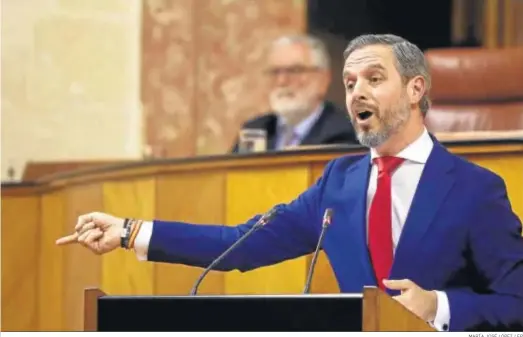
[(375, 66)]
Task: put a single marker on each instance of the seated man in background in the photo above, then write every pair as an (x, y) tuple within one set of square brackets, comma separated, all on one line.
[(299, 73)]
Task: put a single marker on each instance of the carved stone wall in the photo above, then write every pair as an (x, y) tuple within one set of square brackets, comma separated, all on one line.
[(202, 65)]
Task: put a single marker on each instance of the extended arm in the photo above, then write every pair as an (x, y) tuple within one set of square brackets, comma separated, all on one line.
[(293, 232)]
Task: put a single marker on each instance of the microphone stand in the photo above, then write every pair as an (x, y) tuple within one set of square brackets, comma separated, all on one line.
[(259, 224)]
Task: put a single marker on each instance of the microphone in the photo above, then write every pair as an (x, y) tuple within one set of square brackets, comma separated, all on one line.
[(327, 216), (265, 219)]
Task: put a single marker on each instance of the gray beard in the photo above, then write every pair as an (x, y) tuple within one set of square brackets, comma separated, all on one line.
[(372, 139), (375, 139)]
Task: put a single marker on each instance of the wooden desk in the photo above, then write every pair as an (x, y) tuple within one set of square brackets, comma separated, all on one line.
[(42, 284)]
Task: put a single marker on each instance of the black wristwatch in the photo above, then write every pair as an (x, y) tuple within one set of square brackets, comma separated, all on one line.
[(126, 233)]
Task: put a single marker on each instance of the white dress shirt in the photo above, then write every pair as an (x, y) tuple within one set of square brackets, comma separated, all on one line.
[(299, 131), (403, 186), (404, 183)]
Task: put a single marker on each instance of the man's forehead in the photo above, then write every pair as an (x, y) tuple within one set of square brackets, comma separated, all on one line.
[(370, 55), (290, 52)]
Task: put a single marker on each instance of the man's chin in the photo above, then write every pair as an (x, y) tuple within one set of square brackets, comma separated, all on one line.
[(371, 139), (291, 112)]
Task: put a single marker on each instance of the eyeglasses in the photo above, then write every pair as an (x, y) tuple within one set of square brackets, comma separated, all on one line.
[(290, 71)]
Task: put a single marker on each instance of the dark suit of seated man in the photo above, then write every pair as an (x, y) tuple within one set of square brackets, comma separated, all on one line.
[(299, 77)]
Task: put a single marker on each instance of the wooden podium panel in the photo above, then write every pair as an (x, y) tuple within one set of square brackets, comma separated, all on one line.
[(20, 248), (51, 262), (382, 313), (370, 311), (81, 268), (215, 190)]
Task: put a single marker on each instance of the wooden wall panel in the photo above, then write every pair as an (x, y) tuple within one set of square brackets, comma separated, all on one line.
[(317, 170), (517, 21), (324, 281), (81, 267), (508, 30), (197, 198), (491, 23), (122, 273), (20, 245), (502, 23), (255, 191), (51, 263)]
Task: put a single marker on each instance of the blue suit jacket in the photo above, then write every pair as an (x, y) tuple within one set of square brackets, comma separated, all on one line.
[(461, 236)]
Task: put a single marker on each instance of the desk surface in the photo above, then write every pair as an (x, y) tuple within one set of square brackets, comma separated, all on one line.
[(462, 145)]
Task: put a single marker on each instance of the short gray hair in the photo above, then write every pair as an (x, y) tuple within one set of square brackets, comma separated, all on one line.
[(410, 60), (320, 55)]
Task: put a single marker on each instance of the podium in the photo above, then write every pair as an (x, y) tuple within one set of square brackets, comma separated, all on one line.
[(371, 310)]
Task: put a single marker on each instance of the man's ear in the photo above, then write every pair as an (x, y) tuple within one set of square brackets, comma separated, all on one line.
[(416, 89)]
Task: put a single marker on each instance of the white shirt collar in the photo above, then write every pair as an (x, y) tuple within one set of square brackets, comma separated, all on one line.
[(418, 151), (304, 126)]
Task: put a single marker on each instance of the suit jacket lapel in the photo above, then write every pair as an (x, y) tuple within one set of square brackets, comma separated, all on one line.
[(434, 185), (316, 134), (271, 127), (353, 201)]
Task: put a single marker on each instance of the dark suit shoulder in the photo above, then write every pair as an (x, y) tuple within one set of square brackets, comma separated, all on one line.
[(334, 126), (470, 176), (342, 165), (475, 174), (261, 121)]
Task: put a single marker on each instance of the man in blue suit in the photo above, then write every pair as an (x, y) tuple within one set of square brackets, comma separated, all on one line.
[(427, 226)]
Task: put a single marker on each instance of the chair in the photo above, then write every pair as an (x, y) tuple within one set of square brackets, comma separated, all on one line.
[(476, 89)]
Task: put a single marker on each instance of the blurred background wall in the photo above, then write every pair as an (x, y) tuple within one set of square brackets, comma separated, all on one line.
[(70, 80), (119, 79)]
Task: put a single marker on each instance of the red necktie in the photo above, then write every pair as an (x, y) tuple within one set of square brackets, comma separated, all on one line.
[(380, 219)]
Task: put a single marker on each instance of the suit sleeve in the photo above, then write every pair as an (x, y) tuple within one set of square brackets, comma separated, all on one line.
[(496, 249), (235, 146), (293, 232)]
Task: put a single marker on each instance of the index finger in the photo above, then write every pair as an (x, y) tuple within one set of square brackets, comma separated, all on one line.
[(73, 238), (398, 284)]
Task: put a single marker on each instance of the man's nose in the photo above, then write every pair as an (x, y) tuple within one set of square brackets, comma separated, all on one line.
[(282, 79), (360, 91)]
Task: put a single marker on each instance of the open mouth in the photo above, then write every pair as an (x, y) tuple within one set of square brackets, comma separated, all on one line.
[(364, 115)]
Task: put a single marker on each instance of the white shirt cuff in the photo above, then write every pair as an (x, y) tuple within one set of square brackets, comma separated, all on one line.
[(141, 243), (442, 319)]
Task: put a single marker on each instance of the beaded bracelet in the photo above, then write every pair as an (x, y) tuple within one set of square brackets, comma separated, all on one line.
[(134, 233)]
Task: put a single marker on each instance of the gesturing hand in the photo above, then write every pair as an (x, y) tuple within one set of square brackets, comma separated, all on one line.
[(99, 232), (421, 302)]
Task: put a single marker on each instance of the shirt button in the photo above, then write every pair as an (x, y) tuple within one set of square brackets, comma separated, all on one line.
[(445, 327)]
